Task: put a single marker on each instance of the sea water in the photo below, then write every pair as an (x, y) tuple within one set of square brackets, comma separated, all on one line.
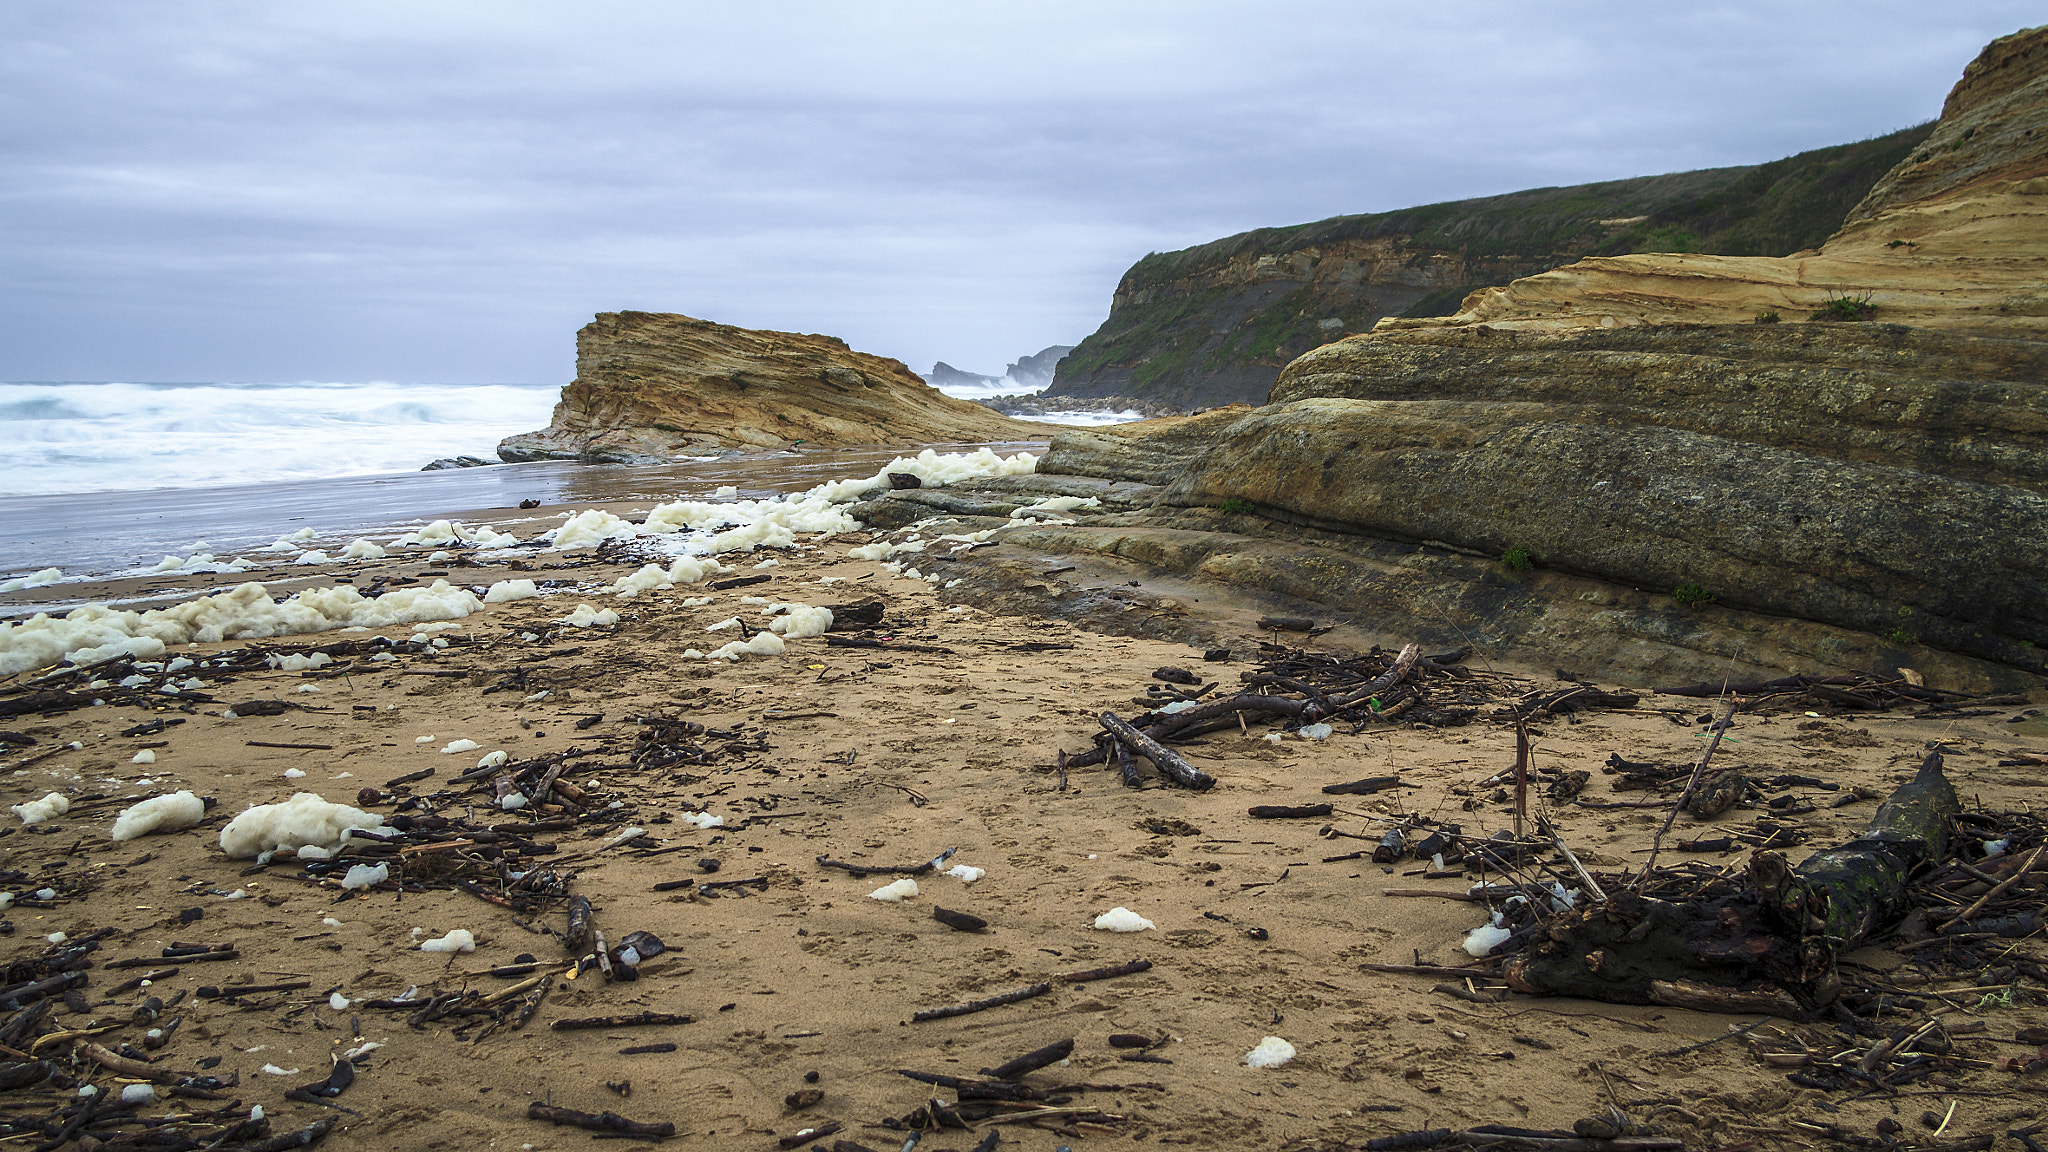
[(77, 438)]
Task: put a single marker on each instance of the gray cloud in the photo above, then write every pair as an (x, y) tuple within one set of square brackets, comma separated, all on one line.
[(447, 190)]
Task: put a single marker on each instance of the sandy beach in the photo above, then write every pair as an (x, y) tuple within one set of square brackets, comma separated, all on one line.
[(800, 985)]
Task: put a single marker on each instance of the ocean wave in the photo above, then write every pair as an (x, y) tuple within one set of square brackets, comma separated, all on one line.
[(67, 438)]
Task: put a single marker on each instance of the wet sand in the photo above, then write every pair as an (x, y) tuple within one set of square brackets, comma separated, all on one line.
[(889, 758)]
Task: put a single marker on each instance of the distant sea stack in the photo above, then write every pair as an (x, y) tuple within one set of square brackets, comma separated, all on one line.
[(1030, 373), (652, 386), (1214, 324)]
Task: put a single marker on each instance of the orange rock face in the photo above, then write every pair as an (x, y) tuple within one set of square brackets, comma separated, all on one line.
[(653, 386)]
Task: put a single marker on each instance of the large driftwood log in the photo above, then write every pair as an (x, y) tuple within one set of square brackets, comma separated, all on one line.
[(1772, 949)]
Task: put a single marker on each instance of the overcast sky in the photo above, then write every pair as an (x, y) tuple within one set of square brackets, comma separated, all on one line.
[(447, 191)]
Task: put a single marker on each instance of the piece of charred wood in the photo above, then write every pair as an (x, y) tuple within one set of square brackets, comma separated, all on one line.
[(597, 1122), (1288, 811), (1365, 787), (637, 1020), (981, 1005), (1031, 1061), (958, 921), (1287, 623), (847, 617), (1169, 763), (1127, 968), (860, 870)]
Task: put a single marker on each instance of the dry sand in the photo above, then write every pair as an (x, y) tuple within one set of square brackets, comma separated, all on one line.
[(892, 757)]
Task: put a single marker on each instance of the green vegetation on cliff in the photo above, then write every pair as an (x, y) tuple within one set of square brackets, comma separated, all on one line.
[(1215, 323)]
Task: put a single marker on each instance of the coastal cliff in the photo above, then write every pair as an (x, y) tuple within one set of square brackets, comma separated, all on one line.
[(1613, 462), (651, 386), (1214, 324)]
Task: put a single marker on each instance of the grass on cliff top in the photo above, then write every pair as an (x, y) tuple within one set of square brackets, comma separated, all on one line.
[(1760, 210)]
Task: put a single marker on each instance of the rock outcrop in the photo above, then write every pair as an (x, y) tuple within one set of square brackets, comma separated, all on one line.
[(1826, 495), (653, 386), (1214, 324)]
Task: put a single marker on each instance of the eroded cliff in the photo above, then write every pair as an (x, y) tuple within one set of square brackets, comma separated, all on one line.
[(652, 386), (1214, 324)]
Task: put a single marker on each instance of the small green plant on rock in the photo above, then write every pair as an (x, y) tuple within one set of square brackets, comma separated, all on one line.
[(1692, 594), (1235, 505), (1843, 309), (1767, 317), (1518, 559), (1901, 637)]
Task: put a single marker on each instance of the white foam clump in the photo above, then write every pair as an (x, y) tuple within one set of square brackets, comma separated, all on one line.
[(492, 759), (274, 1070), (722, 625), (455, 532), (774, 523), (1481, 941), (512, 801), (1272, 1052), (506, 591), (360, 549), (1316, 731), (1180, 706), (311, 558), (589, 529), (304, 819), (726, 490), (457, 941), (883, 550), (246, 612), (651, 577), (146, 756), (49, 807), (138, 1094), (763, 644), (42, 579), (1051, 507), (462, 745), (584, 616), (966, 873), (703, 820), (338, 1002), (180, 809), (697, 601), (802, 622), (1122, 919), (365, 876), (895, 893), (294, 662)]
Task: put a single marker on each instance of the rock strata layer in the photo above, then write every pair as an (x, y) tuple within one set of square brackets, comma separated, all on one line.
[(653, 386)]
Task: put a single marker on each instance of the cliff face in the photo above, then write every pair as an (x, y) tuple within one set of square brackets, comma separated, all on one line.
[(1830, 493), (652, 386), (1214, 324)]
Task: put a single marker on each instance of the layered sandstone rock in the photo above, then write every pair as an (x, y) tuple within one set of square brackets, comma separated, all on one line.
[(1861, 495), (653, 386)]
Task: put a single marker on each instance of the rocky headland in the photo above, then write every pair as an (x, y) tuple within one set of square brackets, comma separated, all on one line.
[(653, 386), (1615, 464), (1214, 324)]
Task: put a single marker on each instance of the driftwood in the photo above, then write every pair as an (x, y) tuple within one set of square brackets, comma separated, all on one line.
[(599, 1122), (980, 1005), (1169, 763), (1769, 949)]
